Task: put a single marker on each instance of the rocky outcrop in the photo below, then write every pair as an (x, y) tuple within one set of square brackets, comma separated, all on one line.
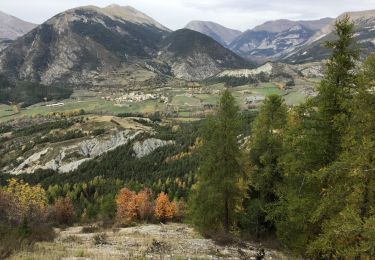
[(68, 158), (144, 148)]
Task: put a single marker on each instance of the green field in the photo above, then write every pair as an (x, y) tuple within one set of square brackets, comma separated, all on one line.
[(5, 111), (294, 98), (180, 99)]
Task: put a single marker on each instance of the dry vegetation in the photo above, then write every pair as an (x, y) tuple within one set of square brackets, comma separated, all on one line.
[(171, 241)]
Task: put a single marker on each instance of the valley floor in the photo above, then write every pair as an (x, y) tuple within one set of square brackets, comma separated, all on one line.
[(171, 241)]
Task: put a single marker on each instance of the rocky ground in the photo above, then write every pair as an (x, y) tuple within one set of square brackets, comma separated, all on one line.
[(171, 241)]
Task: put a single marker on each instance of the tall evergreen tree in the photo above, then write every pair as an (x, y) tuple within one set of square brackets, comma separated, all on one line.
[(336, 90), (349, 226), (217, 197), (265, 151), (313, 141)]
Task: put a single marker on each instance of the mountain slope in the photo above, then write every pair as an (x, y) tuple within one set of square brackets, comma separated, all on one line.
[(273, 39), (12, 27), (314, 49), (281, 25), (216, 31), (81, 44), (195, 56)]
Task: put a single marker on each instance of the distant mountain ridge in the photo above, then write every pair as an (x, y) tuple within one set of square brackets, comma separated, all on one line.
[(195, 56), (92, 45), (274, 39), (12, 27), (219, 33), (314, 49)]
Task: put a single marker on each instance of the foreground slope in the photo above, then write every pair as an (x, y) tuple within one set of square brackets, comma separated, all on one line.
[(171, 241)]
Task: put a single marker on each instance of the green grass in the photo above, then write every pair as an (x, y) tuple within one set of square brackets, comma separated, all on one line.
[(6, 110), (295, 98), (267, 91), (91, 101), (185, 101), (208, 98)]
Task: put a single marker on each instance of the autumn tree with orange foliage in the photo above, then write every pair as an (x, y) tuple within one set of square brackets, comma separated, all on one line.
[(132, 207), (144, 204), (164, 209), (126, 206), (63, 211)]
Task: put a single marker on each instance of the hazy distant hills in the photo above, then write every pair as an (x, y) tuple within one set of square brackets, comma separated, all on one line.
[(272, 40), (12, 27), (314, 50), (219, 33), (268, 41)]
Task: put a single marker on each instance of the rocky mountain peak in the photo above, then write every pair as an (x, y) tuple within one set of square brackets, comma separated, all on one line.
[(131, 14)]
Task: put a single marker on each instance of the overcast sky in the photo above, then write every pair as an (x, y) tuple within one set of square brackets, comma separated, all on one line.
[(237, 14)]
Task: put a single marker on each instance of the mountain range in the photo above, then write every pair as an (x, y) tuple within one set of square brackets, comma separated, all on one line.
[(219, 33), (106, 46), (314, 50)]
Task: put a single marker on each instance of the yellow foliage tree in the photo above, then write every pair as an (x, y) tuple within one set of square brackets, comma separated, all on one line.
[(30, 201)]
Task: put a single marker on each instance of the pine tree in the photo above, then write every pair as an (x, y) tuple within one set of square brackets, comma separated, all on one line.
[(313, 140), (348, 229), (217, 197), (265, 151), (336, 90)]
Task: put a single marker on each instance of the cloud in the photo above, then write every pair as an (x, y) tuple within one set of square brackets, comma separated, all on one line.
[(238, 14)]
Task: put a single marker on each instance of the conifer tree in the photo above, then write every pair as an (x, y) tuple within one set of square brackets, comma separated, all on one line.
[(217, 197), (348, 229), (313, 140), (265, 151), (336, 90)]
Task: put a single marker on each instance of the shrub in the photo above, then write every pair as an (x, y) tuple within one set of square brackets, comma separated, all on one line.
[(63, 211), (100, 239)]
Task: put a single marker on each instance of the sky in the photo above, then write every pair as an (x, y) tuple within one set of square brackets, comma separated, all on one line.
[(175, 14)]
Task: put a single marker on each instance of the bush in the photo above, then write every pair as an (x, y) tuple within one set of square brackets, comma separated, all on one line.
[(100, 239), (63, 211), (90, 229)]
